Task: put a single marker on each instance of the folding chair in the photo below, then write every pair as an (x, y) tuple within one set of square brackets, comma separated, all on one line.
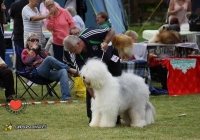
[(33, 76)]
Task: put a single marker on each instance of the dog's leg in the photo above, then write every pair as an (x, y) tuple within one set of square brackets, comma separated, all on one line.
[(138, 117), (150, 112), (95, 118), (126, 118), (108, 119)]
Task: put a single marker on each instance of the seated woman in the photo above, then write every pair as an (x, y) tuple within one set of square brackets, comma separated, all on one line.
[(6, 76), (180, 9), (47, 66)]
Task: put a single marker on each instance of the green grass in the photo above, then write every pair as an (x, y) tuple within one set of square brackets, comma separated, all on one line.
[(140, 29), (69, 121)]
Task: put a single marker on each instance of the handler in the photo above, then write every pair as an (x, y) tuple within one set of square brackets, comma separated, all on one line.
[(93, 42)]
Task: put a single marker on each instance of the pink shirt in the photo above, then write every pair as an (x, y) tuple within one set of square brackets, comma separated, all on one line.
[(60, 25), (45, 11)]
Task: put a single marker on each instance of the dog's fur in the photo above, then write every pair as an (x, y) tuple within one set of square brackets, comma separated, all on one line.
[(126, 95), (124, 45), (166, 37)]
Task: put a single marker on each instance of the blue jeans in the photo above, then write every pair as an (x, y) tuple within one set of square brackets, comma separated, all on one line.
[(59, 74)]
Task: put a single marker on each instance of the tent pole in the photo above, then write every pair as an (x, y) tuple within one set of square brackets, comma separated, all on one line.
[(91, 3)]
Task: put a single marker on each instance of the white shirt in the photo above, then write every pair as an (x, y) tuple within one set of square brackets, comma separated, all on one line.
[(79, 22), (140, 51), (32, 26)]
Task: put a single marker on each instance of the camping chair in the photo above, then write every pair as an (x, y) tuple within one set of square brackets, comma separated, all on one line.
[(34, 77)]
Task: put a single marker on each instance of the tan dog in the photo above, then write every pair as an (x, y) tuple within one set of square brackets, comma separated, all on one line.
[(124, 45), (166, 37)]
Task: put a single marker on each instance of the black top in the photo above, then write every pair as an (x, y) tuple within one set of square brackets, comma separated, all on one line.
[(1, 22), (174, 27), (1, 17), (16, 14), (93, 37), (1, 13)]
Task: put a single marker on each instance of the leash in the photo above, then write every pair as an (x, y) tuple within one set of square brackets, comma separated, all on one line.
[(102, 55), (102, 44)]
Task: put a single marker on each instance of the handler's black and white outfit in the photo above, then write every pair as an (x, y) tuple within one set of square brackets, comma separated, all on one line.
[(93, 37)]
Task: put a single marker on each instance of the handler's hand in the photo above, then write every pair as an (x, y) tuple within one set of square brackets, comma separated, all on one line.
[(35, 45), (104, 46), (181, 8), (3, 66), (90, 90)]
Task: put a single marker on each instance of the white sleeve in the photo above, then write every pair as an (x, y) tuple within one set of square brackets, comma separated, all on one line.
[(27, 13)]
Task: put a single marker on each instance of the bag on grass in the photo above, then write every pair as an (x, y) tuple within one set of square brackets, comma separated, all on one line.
[(79, 88)]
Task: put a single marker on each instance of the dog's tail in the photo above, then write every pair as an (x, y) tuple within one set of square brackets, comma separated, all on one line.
[(150, 113)]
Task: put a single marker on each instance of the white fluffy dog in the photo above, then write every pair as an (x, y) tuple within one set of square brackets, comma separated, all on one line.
[(127, 96)]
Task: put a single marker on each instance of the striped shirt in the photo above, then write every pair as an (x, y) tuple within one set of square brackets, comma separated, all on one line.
[(93, 37), (32, 26)]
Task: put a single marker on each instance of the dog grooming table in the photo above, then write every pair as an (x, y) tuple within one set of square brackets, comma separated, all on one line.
[(191, 36)]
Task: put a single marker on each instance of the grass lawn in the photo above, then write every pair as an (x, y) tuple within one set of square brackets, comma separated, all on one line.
[(68, 121), (140, 29)]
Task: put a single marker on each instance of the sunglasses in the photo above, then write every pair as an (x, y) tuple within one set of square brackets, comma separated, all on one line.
[(34, 39)]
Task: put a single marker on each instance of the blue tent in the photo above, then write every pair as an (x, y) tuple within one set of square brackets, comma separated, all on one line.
[(115, 10)]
